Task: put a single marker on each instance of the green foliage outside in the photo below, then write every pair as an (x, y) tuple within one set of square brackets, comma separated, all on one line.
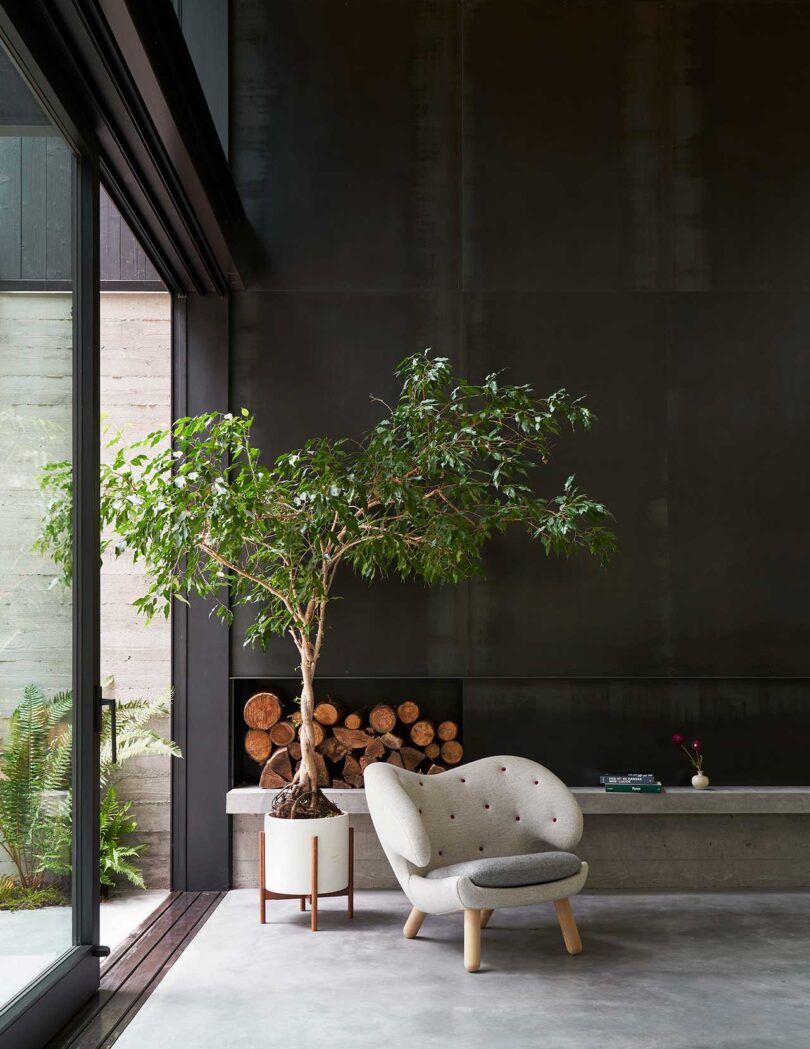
[(16, 897), (447, 467), (35, 798), (30, 765)]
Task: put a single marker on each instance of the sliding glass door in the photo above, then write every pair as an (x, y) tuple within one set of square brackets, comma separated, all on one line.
[(48, 550)]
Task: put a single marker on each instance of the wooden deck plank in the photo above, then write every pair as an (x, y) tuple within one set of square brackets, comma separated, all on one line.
[(124, 946), (136, 968), (150, 975)]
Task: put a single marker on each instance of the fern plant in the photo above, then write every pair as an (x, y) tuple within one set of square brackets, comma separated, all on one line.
[(25, 773), (115, 858), (134, 739), (36, 759)]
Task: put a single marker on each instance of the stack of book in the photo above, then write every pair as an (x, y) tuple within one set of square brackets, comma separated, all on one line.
[(632, 783)]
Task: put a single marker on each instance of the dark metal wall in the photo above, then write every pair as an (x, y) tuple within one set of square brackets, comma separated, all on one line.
[(609, 196)]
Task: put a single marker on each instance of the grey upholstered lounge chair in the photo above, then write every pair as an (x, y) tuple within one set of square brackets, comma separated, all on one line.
[(471, 838)]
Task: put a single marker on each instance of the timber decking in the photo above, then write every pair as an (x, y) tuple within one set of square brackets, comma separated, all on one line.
[(135, 968)]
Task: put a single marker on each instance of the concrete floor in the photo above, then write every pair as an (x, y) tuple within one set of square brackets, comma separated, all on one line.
[(30, 941), (697, 971)]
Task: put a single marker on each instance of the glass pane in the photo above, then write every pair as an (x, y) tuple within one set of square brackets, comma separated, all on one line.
[(36, 408), (135, 387)]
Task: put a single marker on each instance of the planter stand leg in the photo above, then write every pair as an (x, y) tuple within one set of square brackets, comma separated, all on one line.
[(266, 894), (314, 882), (350, 892), (262, 897)]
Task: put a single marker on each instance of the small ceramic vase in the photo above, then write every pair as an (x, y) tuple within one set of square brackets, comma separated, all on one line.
[(700, 781)]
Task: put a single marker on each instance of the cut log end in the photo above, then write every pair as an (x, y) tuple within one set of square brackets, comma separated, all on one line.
[(262, 710), (383, 718), (355, 720), (447, 730), (422, 732), (432, 751), (408, 712), (271, 780), (280, 764), (452, 752), (434, 770), (258, 745), (282, 733), (329, 712)]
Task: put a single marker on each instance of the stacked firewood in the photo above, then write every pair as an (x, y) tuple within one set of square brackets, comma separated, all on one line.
[(347, 743)]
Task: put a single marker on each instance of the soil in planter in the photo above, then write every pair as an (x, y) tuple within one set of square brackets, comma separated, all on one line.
[(295, 802)]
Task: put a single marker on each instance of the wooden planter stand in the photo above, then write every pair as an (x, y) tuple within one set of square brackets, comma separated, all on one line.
[(265, 894)]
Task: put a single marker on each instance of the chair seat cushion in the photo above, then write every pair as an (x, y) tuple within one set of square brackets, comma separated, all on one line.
[(509, 872)]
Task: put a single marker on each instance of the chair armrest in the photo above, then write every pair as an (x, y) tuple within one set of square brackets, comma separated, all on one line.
[(395, 817), (436, 895)]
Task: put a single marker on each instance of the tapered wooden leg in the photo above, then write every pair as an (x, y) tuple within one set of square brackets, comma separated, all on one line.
[(351, 872), (472, 940), (262, 901), (303, 904), (414, 923), (568, 927), (315, 883), (485, 916)]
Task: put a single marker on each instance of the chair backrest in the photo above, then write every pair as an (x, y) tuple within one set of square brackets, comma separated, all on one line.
[(498, 806)]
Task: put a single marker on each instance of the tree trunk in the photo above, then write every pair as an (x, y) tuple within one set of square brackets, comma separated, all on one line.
[(307, 775)]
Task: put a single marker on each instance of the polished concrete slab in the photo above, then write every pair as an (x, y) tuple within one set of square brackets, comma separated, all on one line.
[(687, 971)]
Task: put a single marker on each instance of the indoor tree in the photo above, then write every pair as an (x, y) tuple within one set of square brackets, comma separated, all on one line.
[(447, 466)]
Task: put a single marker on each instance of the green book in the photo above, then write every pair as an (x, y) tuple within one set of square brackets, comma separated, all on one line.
[(634, 788)]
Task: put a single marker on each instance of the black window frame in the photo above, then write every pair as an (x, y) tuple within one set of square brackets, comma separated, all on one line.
[(38, 1010)]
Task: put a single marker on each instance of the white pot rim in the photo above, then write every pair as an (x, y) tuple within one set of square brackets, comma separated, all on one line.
[(319, 819)]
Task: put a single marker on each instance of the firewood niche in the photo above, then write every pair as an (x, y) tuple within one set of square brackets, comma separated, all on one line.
[(414, 724)]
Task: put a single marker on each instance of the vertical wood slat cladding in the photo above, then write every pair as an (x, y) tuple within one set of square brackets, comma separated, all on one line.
[(35, 239), (10, 211), (608, 196)]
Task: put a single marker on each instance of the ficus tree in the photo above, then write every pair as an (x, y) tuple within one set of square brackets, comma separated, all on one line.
[(449, 465)]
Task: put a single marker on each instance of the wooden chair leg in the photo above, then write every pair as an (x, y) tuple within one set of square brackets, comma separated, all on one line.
[(414, 923), (303, 904), (568, 927), (485, 916), (314, 883), (351, 872), (262, 900), (472, 940)]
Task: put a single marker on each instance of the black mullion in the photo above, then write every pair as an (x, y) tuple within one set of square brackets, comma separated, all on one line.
[(86, 416)]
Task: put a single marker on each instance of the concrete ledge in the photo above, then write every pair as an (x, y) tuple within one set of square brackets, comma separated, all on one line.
[(595, 801)]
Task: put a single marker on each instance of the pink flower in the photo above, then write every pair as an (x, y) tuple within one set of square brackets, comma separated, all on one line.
[(696, 745), (677, 739)]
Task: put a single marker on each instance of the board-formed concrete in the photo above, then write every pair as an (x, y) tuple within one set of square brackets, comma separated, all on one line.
[(702, 971), (673, 852)]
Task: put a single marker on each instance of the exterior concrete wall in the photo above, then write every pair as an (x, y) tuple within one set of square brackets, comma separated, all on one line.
[(647, 853), (35, 427), (136, 398)]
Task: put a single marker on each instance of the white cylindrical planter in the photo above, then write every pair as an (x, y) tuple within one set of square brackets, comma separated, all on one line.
[(288, 854)]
